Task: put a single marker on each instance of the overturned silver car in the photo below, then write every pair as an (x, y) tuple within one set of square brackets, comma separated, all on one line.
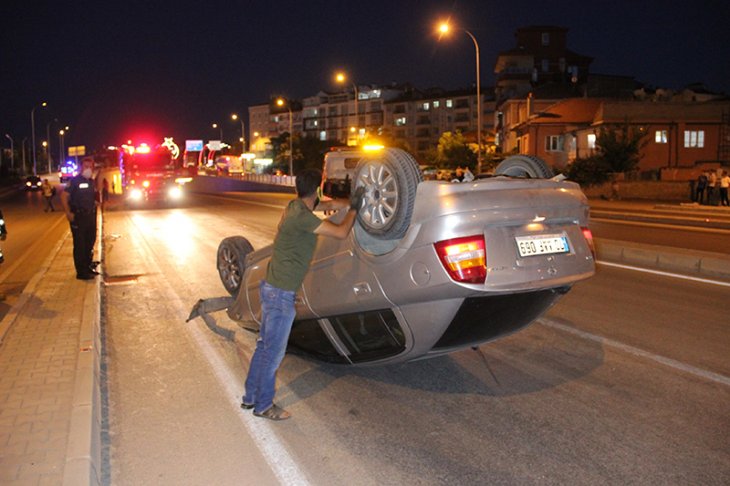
[(430, 268)]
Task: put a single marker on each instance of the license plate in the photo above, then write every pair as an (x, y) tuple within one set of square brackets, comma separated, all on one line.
[(542, 245)]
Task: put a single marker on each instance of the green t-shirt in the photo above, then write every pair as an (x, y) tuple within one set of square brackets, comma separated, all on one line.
[(293, 247)]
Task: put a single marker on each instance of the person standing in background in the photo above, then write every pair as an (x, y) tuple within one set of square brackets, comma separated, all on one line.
[(711, 183), (48, 192), (724, 184)]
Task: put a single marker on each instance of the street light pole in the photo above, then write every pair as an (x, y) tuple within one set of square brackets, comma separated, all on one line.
[(340, 78), (32, 134), (243, 133), (23, 149), (444, 29), (12, 152), (280, 102), (48, 148), (60, 147), (479, 105)]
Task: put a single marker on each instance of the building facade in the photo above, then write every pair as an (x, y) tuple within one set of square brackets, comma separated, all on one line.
[(411, 117), (678, 134)]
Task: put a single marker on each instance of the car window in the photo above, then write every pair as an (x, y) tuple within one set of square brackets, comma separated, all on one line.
[(370, 335), (351, 163)]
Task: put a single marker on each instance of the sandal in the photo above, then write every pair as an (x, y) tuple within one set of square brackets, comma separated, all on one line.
[(247, 406), (274, 412)]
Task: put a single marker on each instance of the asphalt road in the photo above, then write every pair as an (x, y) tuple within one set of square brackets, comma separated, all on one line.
[(625, 381), (703, 229), (32, 234)]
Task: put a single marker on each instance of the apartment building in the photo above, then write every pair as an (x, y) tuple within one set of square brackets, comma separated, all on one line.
[(410, 116)]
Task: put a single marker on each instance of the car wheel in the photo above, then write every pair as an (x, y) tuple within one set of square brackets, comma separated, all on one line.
[(231, 263), (526, 166), (390, 179)]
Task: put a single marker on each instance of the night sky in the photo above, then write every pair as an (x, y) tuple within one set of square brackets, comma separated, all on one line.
[(144, 70)]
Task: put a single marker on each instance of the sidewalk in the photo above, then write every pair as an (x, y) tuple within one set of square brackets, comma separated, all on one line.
[(49, 378)]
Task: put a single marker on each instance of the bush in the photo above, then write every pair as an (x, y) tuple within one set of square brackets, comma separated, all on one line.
[(588, 172)]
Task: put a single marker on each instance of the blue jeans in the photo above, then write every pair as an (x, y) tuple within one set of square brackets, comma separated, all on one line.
[(277, 316)]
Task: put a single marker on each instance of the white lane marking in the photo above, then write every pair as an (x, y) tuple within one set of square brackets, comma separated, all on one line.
[(709, 375), (274, 452), (666, 274), (276, 455)]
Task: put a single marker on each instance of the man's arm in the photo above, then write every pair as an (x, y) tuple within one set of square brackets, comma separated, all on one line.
[(341, 230), (66, 207), (334, 230), (332, 204)]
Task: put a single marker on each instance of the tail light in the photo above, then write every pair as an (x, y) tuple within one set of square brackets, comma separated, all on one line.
[(589, 239), (465, 259)]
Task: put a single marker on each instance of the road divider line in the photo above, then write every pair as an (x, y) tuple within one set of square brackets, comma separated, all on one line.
[(678, 365), (665, 274), (272, 449)]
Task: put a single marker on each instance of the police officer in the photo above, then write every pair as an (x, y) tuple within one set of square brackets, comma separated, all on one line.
[(79, 202)]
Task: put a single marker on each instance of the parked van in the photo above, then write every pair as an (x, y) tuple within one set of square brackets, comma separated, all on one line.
[(339, 170)]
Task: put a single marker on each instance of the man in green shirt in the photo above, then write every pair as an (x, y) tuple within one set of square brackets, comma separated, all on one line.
[(294, 246)]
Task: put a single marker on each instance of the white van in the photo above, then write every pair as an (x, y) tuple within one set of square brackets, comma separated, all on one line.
[(339, 170)]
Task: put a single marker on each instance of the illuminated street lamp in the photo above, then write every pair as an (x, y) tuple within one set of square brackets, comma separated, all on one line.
[(281, 102), (243, 133), (61, 148), (444, 29), (215, 125), (32, 133), (341, 78)]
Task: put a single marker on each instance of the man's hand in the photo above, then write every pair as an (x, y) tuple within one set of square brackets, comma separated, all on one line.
[(356, 198)]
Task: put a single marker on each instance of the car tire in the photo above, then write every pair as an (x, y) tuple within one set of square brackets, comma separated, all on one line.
[(231, 262), (390, 179), (526, 166)]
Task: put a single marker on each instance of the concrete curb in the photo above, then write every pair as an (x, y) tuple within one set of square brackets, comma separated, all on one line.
[(677, 260), (83, 450)]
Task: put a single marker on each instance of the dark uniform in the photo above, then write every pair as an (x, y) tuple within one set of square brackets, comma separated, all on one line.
[(82, 202)]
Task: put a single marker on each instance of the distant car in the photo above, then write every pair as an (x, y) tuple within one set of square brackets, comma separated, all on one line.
[(67, 171), (33, 183), (430, 268), (430, 172)]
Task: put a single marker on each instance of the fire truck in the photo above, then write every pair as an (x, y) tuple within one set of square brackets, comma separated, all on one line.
[(152, 173)]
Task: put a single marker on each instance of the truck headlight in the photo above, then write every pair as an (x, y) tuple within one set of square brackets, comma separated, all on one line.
[(135, 194), (175, 192)]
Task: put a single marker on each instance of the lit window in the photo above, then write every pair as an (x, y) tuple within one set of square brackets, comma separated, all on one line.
[(449, 103), (660, 136), (436, 104), (591, 141), (554, 143), (694, 138), (545, 38), (315, 123), (426, 106), (400, 121), (323, 135)]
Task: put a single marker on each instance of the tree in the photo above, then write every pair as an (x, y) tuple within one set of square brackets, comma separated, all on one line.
[(589, 171), (311, 152), (453, 151), (619, 146)]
